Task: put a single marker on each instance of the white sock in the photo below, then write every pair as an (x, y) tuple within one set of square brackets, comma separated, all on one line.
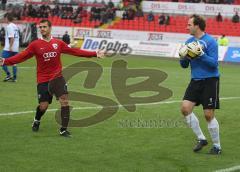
[(193, 123), (213, 128)]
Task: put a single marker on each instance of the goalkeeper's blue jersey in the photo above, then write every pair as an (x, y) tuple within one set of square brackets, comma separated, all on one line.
[(204, 66)]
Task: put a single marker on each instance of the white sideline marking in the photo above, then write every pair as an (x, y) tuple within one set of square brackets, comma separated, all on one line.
[(234, 168), (99, 107)]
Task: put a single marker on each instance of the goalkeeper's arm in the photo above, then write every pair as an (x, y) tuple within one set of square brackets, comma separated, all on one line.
[(211, 59), (184, 62)]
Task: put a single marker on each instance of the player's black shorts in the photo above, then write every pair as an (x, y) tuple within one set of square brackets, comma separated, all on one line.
[(56, 87), (205, 92)]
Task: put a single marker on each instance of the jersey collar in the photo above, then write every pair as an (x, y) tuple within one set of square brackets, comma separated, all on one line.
[(46, 40)]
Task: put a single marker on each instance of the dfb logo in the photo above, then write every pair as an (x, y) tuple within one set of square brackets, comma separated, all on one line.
[(55, 46)]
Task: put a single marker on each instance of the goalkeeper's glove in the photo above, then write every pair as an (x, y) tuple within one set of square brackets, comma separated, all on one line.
[(183, 51), (195, 49)]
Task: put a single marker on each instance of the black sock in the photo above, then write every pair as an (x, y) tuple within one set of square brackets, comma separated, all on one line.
[(65, 114), (63, 129), (39, 114)]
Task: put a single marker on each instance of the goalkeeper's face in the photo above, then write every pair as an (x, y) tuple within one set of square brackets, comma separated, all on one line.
[(192, 29)]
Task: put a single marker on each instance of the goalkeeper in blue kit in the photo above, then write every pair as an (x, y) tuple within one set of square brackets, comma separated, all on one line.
[(200, 52)]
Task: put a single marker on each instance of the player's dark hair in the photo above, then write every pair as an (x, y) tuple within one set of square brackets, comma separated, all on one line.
[(9, 17), (200, 21), (46, 21)]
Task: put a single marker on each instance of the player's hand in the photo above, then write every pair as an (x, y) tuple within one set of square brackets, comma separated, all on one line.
[(195, 48), (101, 54), (1, 61)]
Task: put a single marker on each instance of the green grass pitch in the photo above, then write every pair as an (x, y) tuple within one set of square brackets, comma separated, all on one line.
[(116, 144)]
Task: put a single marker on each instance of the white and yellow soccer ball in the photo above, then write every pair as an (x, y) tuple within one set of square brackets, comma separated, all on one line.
[(195, 49), (191, 50)]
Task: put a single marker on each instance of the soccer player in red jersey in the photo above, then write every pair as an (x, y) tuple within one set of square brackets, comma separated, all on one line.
[(50, 81)]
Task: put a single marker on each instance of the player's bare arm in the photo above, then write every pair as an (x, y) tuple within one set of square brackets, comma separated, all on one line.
[(11, 41)]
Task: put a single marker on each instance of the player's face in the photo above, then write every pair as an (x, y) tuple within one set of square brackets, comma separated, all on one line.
[(191, 28), (45, 30)]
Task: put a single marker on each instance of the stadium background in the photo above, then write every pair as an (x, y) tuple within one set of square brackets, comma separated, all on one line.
[(128, 141)]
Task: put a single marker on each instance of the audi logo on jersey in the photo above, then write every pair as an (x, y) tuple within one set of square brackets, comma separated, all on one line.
[(49, 55)]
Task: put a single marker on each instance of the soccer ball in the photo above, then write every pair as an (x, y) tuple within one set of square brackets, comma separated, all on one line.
[(194, 49), (191, 50), (191, 54)]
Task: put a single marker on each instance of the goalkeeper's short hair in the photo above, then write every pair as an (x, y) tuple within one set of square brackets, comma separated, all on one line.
[(199, 20)]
